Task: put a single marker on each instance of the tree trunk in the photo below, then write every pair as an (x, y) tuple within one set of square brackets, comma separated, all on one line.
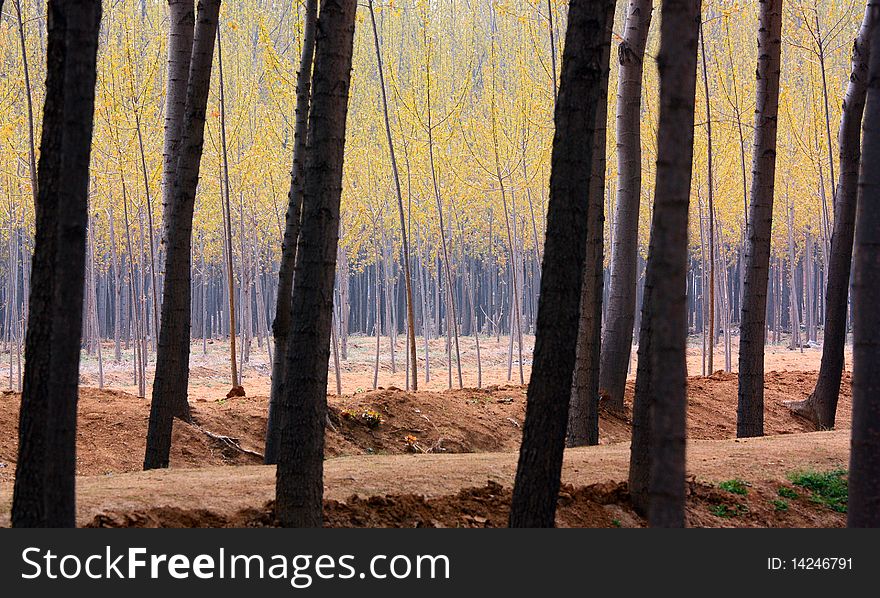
[(44, 493), (410, 311), (172, 356), (303, 408), (864, 472), (750, 411), (821, 406), (227, 214), (181, 18), (662, 373), (32, 157), (583, 413), (540, 460), (117, 289), (793, 316), (711, 185), (281, 324), (618, 333)]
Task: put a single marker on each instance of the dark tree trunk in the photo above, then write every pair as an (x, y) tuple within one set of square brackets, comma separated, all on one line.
[(750, 410), (281, 325), (821, 407), (640, 446), (303, 405), (864, 471), (617, 337), (540, 459), (172, 355), (667, 262), (583, 415), (28, 503), (44, 493), (180, 47), (181, 18)]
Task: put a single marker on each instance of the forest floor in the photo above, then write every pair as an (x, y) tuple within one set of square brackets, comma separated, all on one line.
[(433, 452)]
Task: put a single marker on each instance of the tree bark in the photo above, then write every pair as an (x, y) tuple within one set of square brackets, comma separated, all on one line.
[(618, 333), (821, 406), (540, 459), (303, 408), (750, 410), (864, 473), (44, 493), (583, 412), (664, 312), (172, 355), (181, 18), (281, 324)]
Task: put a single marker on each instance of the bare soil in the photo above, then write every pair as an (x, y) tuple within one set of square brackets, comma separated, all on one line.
[(433, 458), (598, 505), (112, 425), (414, 489)]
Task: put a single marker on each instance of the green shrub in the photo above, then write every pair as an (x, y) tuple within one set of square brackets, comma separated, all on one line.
[(826, 488), (728, 511), (780, 505), (735, 486), (786, 492)]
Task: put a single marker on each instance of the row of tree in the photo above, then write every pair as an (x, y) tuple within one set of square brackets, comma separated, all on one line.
[(486, 150), (567, 357)]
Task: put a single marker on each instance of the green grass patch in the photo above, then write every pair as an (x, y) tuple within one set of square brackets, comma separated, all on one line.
[(786, 492), (734, 486), (726, 511), (780, 505), (826, 488)]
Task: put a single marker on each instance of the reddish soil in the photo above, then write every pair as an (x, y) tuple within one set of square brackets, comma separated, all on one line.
[(112, 424), (435, 459), (598, 505)]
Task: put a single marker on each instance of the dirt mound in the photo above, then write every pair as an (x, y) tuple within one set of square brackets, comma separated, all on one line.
[(112, 430), (112, 425), (599, 505), (391, 421), (712, 403)]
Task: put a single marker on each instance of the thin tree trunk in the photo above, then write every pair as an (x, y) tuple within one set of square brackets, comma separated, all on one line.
[(552, 33), (793, 317), (410, 310), (540, 460), (117, 289), (153, 292), (236, 379), (750, 410), (711, 206), (132, 301), (93, 294), (32, 158), (378, 321)]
